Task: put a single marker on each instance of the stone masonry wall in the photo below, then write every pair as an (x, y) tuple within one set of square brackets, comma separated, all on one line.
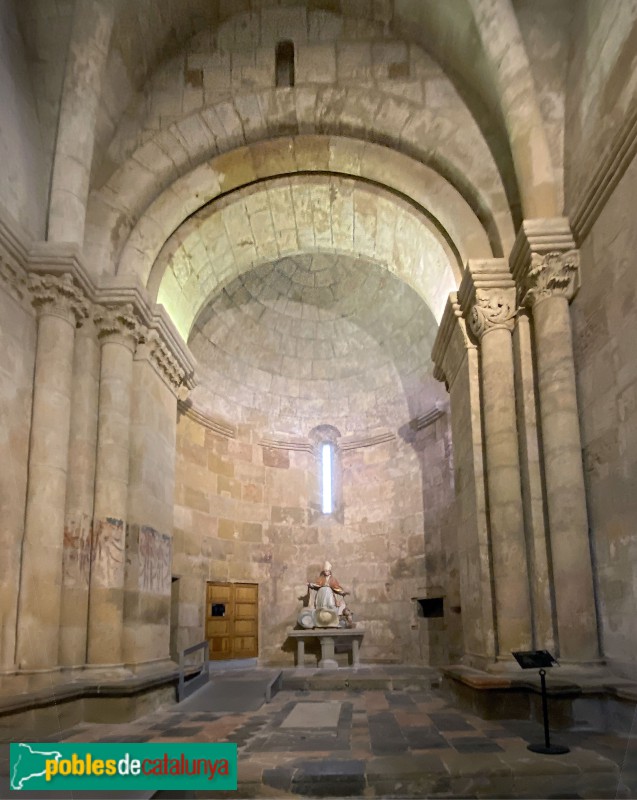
[(239, 59), (605, 331), (248, 513), (17, 357), (150, 522)]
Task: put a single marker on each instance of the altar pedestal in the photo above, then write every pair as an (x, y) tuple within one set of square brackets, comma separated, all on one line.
[(327, 638)]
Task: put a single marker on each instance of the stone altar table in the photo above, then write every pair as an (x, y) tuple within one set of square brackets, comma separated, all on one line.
[(327, 638)]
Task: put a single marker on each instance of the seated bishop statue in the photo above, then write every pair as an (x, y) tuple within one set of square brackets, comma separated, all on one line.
[(330, 595)]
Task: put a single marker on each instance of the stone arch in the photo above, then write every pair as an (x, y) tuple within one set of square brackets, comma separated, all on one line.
[(70, 180), (288, 155), (458, 153), (503, 45), (288, 215)]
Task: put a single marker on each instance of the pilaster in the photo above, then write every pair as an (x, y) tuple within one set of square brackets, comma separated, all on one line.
[(455, 358)]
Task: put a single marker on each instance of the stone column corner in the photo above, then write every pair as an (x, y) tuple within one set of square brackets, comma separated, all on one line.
[(448, 350), (173, 368)]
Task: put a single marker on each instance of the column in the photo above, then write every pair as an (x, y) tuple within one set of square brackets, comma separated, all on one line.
[(79, 496), (59, 305), (488, 297), (550, 286), (355, 652), (300, 652), (532, 486), (456, 363), (117, 329)]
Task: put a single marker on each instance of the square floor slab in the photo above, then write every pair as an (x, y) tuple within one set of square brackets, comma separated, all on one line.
[(313, 715)]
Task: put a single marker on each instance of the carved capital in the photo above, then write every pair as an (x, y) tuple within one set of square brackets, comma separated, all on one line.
[(544, 261), (552, 274), (58, 296), (153, 349), (118, 324), (491, 310)]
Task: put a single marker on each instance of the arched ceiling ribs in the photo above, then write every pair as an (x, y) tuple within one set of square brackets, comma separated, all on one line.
[(299, 214), (503, 45), (88, 51), (459, 153), (416, 182), (172, 242)]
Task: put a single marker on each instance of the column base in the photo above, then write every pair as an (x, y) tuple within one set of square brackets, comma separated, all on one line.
[(328, 663)]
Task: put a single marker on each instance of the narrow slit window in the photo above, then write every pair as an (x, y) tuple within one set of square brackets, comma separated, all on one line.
[(327, 503), (285, 64)]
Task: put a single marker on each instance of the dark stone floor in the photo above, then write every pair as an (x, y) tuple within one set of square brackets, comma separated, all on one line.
[(409, 742)]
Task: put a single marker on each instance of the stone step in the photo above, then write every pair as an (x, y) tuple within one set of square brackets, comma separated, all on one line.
[(581, 773), (234, 691), (361, 679)]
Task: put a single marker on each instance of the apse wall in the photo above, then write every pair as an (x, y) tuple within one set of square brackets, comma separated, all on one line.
[(248, 512)]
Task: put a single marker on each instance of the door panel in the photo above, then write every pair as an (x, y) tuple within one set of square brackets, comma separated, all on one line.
[(232, 620)]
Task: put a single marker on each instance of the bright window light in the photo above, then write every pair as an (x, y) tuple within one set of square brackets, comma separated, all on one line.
[(326, 460)]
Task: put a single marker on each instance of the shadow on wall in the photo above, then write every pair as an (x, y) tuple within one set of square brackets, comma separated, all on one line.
[(438, 609)]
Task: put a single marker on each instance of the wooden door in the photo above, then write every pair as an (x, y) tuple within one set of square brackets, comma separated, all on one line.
[(232, 620)]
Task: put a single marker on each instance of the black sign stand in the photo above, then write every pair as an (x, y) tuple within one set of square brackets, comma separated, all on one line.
[(539, 659)]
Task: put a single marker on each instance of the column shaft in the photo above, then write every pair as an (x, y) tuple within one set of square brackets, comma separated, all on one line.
[(79, 497), (513, 611), (106, 598), (41, 565), (532, 488), (566, 497)]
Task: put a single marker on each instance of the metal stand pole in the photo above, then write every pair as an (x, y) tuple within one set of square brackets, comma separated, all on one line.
[(547, 748)]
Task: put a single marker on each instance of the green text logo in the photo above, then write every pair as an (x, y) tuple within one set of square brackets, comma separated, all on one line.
[(112, 767)]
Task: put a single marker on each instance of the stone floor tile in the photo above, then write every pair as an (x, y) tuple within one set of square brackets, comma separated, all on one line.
[(449, 721), (424, 738), (399, 700), (467, 744), (408, 719)]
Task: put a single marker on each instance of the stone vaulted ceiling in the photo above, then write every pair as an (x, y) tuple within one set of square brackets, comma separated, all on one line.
[(310, 339), (180, 166)]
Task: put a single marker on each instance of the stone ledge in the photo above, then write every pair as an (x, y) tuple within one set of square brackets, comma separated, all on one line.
[(578, 696), (559, 680), (87, 688)]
